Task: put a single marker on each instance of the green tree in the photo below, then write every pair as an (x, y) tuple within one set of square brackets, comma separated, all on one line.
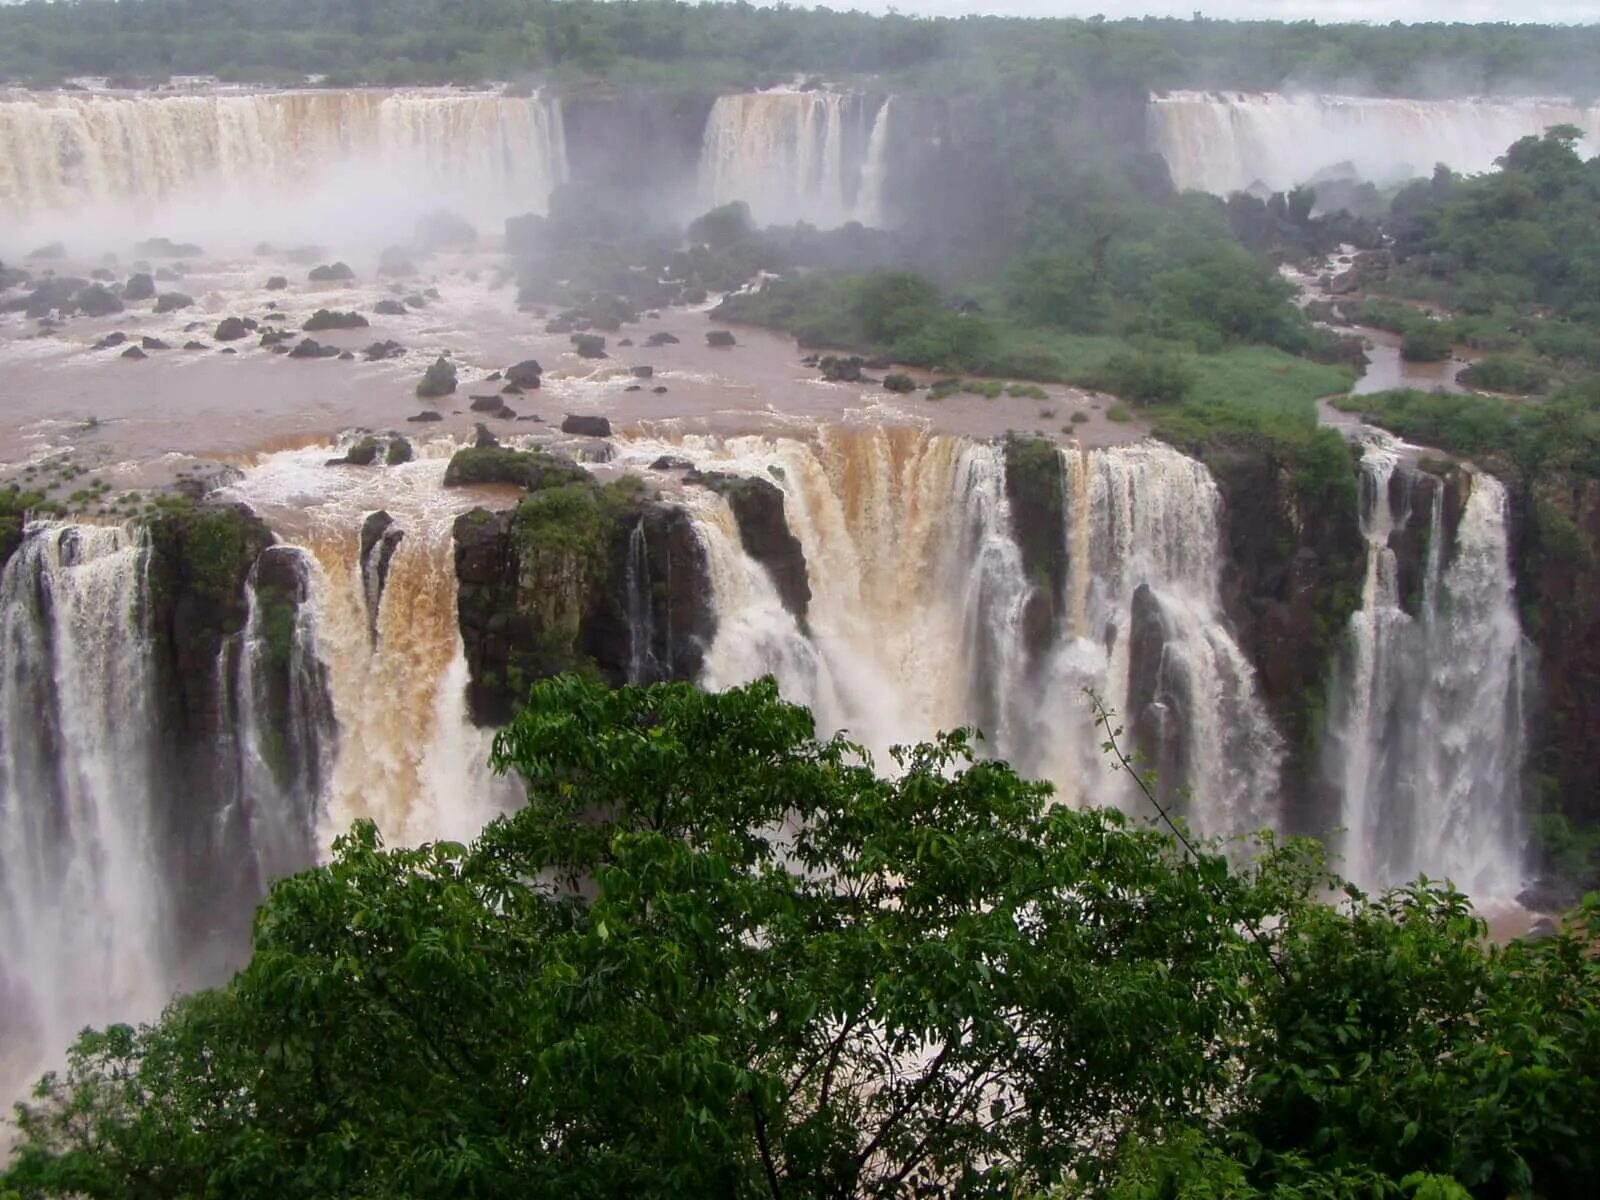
[(715, 956)]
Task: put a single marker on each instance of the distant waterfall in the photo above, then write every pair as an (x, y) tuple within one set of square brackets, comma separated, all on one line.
[(1225, 141), (1427, 721), (1146, 631), (797, 156), (83, 904), (335, 160)]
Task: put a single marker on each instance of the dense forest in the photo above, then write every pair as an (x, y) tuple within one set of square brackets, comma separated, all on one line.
[(716, 956), (464, 41)]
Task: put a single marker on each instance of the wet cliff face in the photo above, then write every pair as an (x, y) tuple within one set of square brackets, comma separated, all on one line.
[(757, 506), (1295, 560), (578, 578), (1035, 490), (200, 561), (1556, 557)]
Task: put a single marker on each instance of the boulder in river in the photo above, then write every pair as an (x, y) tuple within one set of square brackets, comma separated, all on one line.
[(438, 380), (379, 351), (139, 287), (277, 283), (160, 247), (337, 272), (589, 345), (327, 319), (154, 343), (525, 374), (97, 300), (720, 337), (110, 340), (424, 417), (641, 372), (661, 339), (173, 301), (231, 329), (390, 308), (583, 425), (311, 348), (134, 352)]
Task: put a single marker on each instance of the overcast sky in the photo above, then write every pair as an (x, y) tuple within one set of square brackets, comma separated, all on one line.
[(1379, 11)]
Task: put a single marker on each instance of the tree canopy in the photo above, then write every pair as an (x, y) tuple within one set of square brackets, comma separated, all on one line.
[(713, 955)]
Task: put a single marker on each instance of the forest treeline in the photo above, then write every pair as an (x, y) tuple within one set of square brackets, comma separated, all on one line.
[(465, 41), (715, 956)]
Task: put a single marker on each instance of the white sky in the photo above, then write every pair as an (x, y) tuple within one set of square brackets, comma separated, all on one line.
[(1376, 11)]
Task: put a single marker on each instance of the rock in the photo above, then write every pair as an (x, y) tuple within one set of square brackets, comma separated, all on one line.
[(97, 300), (720, 337), (110, 340), (154, 343), (438, 380), (589, 345), (379, 540), (625, 342), (325, 319), (139, 287), (103, 274), (416, 301), (227, 350), (311, 348), (492, 463), (398, 453), (273, 337), (442, 230), (379, 351), (331, 273), (160, 247), (395, 261), (390, 308), (168, 275), (668, 462), (634, 387), (525, 374), (841, 370), (347, 355), (586, 426), (659, 390), (425, 416), (641, 372), (277, 283), (899, 383), (11, 277), (661, 339), (361, 453), (231, 329), (134, 352), (195, 346), (55, 250), (173, 301), (757, 506), (483, 439)]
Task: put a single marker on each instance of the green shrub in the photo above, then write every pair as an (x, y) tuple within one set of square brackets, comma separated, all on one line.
[(1145, 378), (1426, 341), (1118, 411)]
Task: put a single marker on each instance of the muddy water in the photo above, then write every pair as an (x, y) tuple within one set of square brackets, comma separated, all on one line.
[(60, 392)]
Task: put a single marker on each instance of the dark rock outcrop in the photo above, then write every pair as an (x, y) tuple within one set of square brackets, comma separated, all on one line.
[(379, 351), (584, 425), (140, 286), (526, 375), (331, 273), (757, 506), (231, 329), (438, 380), (720, 337), (97, 300), (325, 319), (533, 470), (311, 348), (173, 301), (391, 308), (1035, 492), (380, 538), (277, 283), (587, 576), (1160, 697), (660, 339)]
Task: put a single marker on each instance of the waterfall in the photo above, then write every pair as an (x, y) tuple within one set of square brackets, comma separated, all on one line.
[(796, 156), (642, 664), (1425, 730), (1147, 633), (919, 593), (311, 163), (83, 906), (870, 207), (391, 654), (1223, 142), (283, 744)]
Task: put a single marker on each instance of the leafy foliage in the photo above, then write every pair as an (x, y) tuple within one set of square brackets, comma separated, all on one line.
[(713, 955)]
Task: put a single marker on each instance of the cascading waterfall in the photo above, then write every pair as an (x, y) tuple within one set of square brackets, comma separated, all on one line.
[(283, 761), (919, 592), (338, 158), (1223, 141), (83, 906), (796, 156), (1427, 718), (407, 757), (1146, 632)]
